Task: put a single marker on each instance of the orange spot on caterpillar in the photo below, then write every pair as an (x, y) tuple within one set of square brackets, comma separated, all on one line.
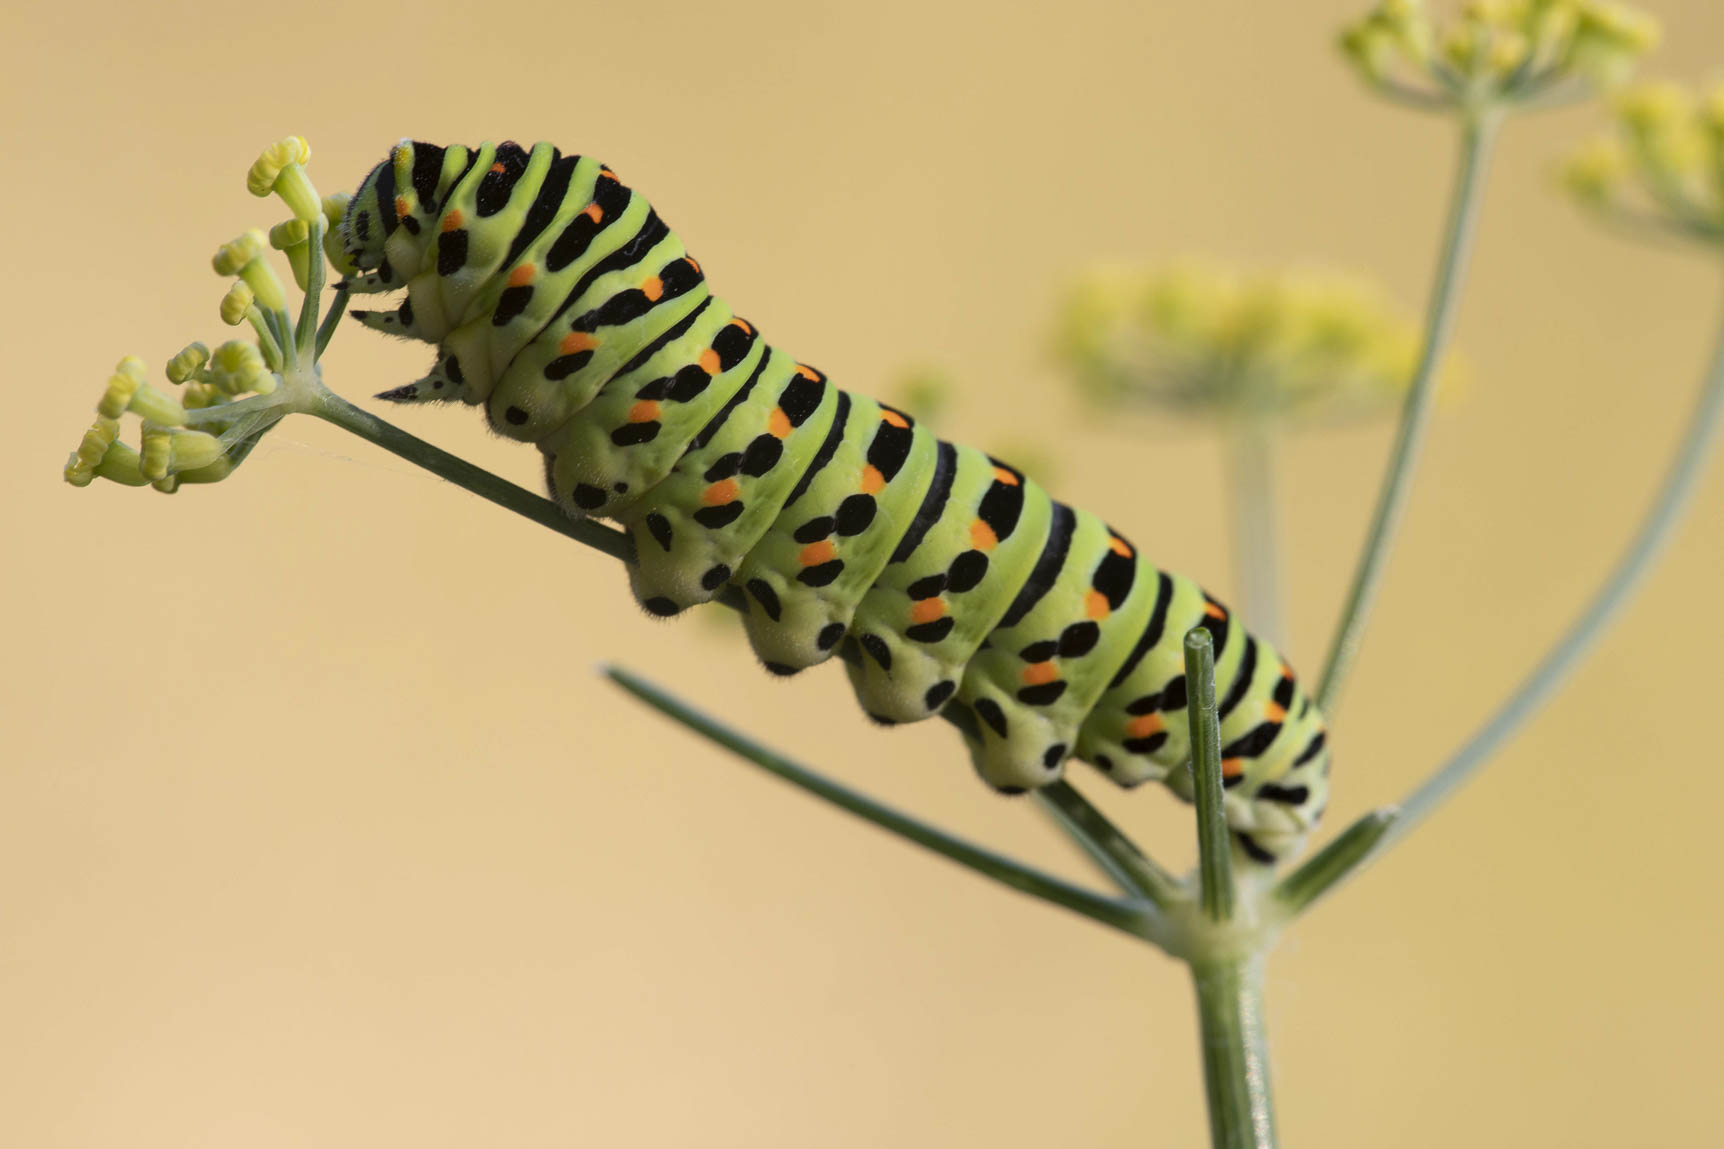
[(816, 553), (594, 212), (576, 341), (927, 609), (1120, 547), (807, 372), (498, 167), (1040, 673), (1096, 606), (402, 211), (892, 417), (1001, 475), (644, 412), (709, 361), (1232, 767), (653, 289), (1274, 713), (745, 325), (606, 173), (453, 220), (720, 493), (872, 479), (522, 275), (1144, 725), (982, 536), (779, 423), (1210, 610), (689, 259)]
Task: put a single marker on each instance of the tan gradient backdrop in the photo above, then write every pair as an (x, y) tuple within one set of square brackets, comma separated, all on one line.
[(317, 827)]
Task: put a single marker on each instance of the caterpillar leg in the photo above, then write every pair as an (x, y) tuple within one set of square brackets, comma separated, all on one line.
[(806, 576), (1054, 652), (971, 546)]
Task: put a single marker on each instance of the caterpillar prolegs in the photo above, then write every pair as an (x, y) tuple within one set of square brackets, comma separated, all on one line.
[(562, 303)]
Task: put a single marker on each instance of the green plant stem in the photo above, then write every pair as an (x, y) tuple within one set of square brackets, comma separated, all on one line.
[(1299, 890), (1581, 635), (1135, 919), (332, 319), (1235, 1053), (483, 483), (1114, 854), (1477, 136), (1214, 841), (1251, 497)]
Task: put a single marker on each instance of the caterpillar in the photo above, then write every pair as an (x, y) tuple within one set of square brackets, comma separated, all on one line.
[(561, 303)]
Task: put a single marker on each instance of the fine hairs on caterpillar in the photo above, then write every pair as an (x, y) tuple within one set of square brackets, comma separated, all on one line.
[(561, 303)]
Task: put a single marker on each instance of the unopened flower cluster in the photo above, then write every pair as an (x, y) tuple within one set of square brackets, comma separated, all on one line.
[(1213, 342), (201, 432), (1663, 165), (1496, 51)]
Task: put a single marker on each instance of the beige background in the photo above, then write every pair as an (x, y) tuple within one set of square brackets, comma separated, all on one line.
[(317, 827)]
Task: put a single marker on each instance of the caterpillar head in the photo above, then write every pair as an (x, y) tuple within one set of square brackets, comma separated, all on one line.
[(371, 216)]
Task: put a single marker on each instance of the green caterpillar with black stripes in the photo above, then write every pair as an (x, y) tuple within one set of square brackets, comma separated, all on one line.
[(560, 302)]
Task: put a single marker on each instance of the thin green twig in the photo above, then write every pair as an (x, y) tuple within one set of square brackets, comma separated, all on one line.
[(1581, 635), (1214, 842), (481, 482), (1137, 919), (1552, 670), (1251, 497), (1478, 133), (1114, 854)]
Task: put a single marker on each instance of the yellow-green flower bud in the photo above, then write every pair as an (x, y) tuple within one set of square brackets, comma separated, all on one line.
[(1370, 47), (238, 367), (246, 257), (1461, 48), (290, 236), (1608, 40), (81, 466), (1594, 173), (237, 304), (281, 169), (231, 257), (1410, 25), (184, 367), (155, 452), (167, 485), (199, 395), (127, 391), (1552, 27), (1509, 50), (167, 451)]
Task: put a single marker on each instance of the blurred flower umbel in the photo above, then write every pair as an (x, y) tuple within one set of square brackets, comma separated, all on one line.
[(1497, 52), (1227, 346), (1663, 166), (237, 392)]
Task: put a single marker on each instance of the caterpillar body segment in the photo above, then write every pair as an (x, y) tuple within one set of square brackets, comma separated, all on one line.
[(693, 529), (561, 302), (850, 508), (1050, 658), (971, 549)]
